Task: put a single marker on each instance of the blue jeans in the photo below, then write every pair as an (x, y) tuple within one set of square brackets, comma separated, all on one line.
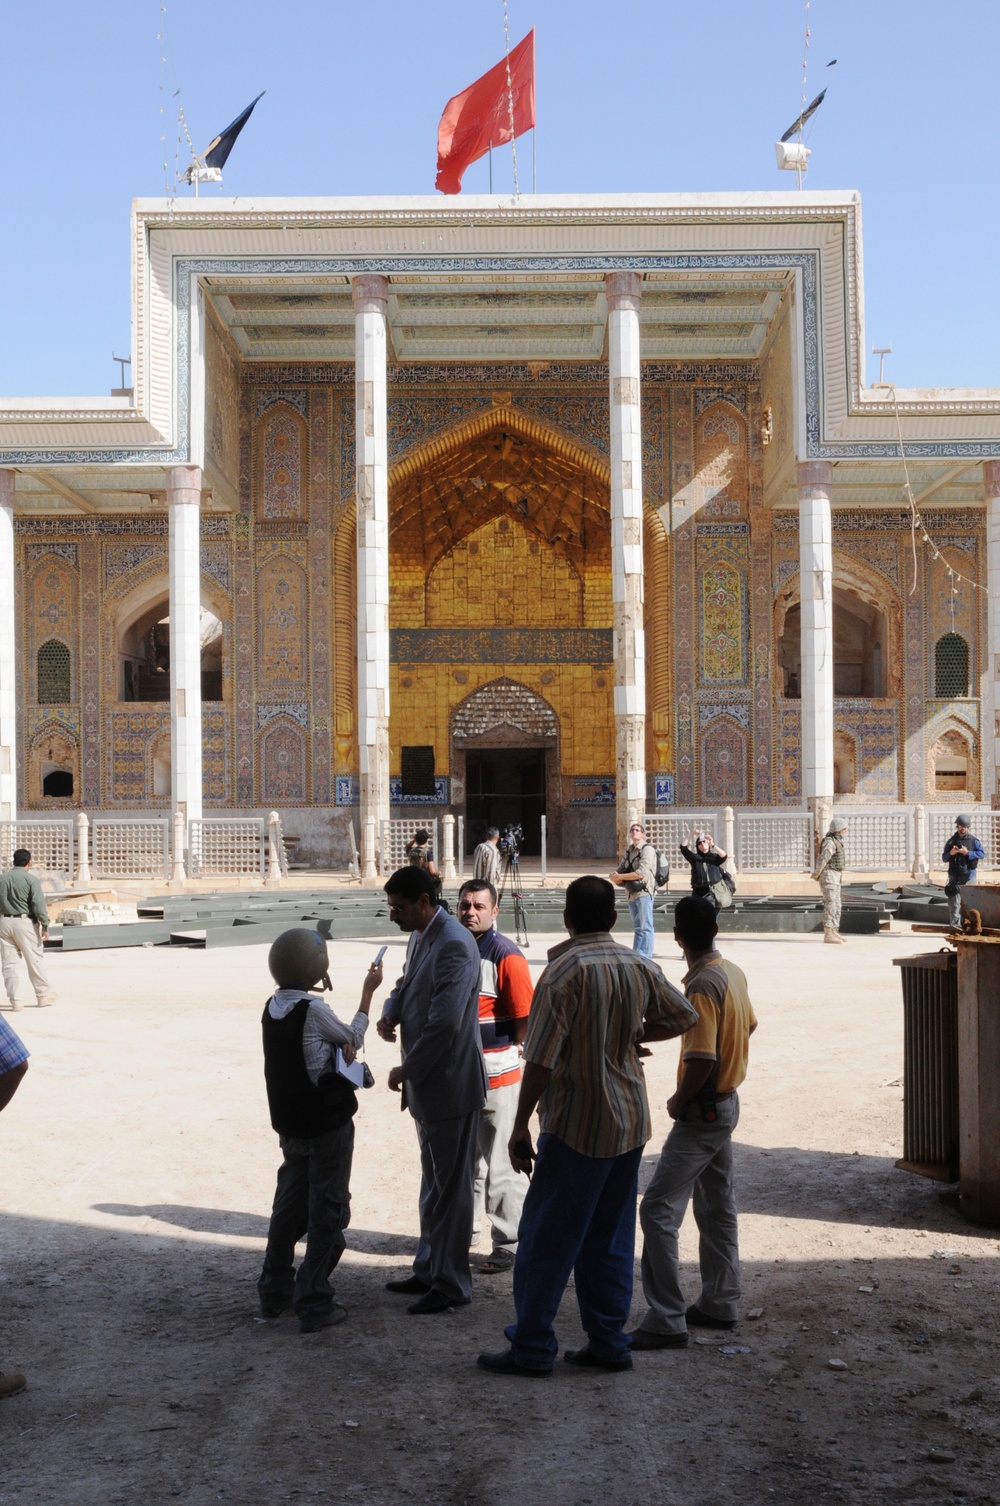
[(640, 907), (579, 1219)]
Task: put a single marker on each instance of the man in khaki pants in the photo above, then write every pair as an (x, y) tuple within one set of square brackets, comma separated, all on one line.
[(24, 922)]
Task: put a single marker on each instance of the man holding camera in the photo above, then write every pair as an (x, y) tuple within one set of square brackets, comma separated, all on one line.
[(963, 853), (505, 990)]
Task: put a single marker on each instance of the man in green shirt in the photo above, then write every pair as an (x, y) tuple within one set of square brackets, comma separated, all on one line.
[(24, 922)]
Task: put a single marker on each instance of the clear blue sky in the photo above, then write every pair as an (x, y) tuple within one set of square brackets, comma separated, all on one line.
[(643, 95)]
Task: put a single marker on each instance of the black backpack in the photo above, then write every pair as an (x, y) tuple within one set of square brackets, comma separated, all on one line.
[(662, 869)]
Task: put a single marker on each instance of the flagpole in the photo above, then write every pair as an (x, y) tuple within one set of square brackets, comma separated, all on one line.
[(491, 167), (534, 158)]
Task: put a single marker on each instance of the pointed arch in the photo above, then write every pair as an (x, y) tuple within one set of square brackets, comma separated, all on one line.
[(281, 452), (507, 418)]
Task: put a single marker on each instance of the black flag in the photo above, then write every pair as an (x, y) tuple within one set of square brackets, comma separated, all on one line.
[(219, 149), (792, 129)]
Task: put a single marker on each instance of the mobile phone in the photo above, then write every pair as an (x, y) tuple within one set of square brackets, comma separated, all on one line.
[(381, 953)]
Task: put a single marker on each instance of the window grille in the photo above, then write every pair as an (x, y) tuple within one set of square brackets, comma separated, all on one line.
[(395, 835), (775, 841), (951, 667), (54, 676)]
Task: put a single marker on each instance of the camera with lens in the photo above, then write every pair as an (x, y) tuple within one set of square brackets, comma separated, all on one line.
[(509, 843)]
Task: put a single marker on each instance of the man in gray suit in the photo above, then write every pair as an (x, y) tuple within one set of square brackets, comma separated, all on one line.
[(443, 1081)]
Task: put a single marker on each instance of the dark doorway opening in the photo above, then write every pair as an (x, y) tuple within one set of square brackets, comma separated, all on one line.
[(505, 787)]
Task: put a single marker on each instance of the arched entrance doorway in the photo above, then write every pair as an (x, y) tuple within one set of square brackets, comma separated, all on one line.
[(501, 618), (505, 756)]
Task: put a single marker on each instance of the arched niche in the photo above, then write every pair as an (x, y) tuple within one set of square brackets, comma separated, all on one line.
[(142, 636), (53, 673), (283, 762), (951, 667), (721, 458), (160, 767), (867, 647), (54, 767), (724, 760), (845, 764), (501, 465), (280, 472), (953, 763)]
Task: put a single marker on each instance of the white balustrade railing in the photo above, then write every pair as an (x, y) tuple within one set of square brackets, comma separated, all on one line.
[(774, 841), (877, 839), (227, 847), (124, 847), (395, 835), (50, 843)]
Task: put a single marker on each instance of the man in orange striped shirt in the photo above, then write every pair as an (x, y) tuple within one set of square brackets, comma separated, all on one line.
[(505, 991)]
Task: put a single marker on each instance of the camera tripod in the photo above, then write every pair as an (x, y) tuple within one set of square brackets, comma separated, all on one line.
[(510, 869)]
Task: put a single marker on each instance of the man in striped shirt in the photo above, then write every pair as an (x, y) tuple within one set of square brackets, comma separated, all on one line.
[(505, 990), (593, 1006)]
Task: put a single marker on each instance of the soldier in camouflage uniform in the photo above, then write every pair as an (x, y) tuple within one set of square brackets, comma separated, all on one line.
[(829, 875)]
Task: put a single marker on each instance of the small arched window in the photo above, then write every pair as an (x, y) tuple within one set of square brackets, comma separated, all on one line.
[(951, 667), (54, 677)]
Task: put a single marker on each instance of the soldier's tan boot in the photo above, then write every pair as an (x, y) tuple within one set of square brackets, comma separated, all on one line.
[(833, 936)]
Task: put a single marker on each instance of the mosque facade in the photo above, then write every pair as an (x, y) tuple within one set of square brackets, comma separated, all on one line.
[(574, 507)]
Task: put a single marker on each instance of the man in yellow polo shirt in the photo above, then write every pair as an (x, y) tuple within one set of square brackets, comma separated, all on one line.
[(697, 1158)]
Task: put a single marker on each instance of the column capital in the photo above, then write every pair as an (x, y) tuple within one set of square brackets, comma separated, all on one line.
[(991, 478), (623, 290), (182, 480), (814, 475), (370, 292), (7, 480)]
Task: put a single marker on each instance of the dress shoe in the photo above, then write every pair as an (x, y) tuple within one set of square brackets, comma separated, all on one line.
[(274, 1307), (587, 1359), (436, 1302), (697, 1319), (645, 1338), (504, 1363), (409, 1286), (314, 1322), (12, 1382)]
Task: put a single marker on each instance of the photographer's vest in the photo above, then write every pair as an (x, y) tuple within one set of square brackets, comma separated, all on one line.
[(301, 1109)]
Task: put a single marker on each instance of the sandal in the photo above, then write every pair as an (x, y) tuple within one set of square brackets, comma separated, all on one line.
[(496, 1264)]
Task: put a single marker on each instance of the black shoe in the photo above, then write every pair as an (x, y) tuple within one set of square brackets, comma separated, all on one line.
[(644, 1338), (591, 1361), (436, 1302), (504, 1363), (313, 1322), (408, 1286), (274, 1307), (698, 1319)]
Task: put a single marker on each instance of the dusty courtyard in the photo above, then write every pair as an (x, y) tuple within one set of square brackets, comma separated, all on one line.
[(138, 1166)]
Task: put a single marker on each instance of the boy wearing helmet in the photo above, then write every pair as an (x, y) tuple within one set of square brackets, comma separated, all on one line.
[(312, 1109)]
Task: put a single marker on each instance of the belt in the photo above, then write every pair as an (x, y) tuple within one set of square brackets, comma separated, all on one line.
[(721, 1097)]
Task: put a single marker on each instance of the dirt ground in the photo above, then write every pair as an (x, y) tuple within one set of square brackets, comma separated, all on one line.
[(137, 1173)]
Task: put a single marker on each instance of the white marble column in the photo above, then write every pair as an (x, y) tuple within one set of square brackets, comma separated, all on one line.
[(370, 297), (816, 579), (623, 293), (8, 653), (991, 676), (184, 504)]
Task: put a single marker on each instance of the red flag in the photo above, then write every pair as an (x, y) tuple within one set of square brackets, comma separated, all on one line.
[(479, 117)]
